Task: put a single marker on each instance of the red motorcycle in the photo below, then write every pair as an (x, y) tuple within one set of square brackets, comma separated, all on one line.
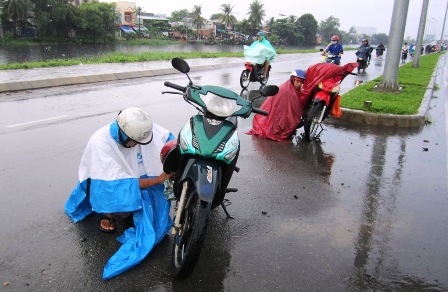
[(322, 88), (253, 73)]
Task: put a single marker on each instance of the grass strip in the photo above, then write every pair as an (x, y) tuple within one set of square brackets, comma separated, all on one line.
[(414, 82)]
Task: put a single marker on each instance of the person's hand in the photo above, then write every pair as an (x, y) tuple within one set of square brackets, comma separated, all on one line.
[(163, 176)]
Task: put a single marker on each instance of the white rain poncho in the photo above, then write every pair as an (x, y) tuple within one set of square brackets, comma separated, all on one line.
[(259, 52), (112, 172)]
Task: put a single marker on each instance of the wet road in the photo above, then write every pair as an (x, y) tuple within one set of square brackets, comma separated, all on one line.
[(366, 209)]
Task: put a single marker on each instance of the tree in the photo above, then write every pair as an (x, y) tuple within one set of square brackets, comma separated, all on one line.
[(256, 15), (198, 20), (16, 11), (96, 22), (329, 27), (138, 12), (227, 16), (309, 28), (243, 26), (380, 38), (289, 33), (179, 15)]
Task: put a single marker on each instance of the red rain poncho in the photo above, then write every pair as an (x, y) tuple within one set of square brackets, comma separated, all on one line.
[(286, 107)]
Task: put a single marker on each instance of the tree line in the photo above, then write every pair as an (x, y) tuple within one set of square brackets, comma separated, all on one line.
[(95, 22)]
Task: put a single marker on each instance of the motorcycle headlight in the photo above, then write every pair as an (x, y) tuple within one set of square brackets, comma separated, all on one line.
[(220, 106)]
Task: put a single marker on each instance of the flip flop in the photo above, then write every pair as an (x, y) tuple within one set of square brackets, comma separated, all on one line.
[(111, 221)]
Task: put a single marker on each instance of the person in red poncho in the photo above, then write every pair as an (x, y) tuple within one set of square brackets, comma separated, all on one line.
[(285, 109)]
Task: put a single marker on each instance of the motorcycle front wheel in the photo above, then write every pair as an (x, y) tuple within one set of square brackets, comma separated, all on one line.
[(312, 122), (245, 79), (188, 240)]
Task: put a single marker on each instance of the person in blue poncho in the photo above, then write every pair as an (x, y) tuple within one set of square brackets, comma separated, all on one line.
[(260, 52), (120, 174)]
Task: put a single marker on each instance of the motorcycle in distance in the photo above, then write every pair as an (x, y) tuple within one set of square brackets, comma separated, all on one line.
[(203, 159), (323, 96), (253, 73), (363, 59), (327, 57)]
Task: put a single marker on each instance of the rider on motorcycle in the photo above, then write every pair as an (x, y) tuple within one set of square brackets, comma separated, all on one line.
[(260, 52), (365, 52), (336, 49)]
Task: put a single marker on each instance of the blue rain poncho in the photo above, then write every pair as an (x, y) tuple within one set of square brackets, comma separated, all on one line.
[(113, 172), (259, 52)]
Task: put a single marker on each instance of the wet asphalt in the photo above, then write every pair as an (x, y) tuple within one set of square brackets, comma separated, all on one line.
[(365, 209)]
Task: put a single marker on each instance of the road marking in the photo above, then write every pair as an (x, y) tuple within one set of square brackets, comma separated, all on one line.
[(34, 122)]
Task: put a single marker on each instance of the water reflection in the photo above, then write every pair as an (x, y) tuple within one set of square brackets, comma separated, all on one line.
[(374, 266)]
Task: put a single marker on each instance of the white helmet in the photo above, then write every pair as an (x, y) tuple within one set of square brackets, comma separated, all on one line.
[(136, 124)]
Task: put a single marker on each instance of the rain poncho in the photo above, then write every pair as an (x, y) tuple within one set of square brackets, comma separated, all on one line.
[(112, 172), (286, 107), (259, 52)]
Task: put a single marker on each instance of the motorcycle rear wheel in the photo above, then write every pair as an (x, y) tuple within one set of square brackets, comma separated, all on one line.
[(312, 121), (188, 240), (245, 79)]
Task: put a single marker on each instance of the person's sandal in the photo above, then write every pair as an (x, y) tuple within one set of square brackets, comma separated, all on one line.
[(112, 223)]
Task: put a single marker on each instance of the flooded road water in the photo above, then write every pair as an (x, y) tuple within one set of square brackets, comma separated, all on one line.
[(364, 210)]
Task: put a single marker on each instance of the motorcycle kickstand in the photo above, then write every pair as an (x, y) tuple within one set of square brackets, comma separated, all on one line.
[(227, 203)]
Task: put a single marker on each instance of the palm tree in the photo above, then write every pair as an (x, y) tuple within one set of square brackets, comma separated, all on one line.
[(227, 17), (15, 10), (256, 15), (198, 20), (138, 11), (270, 23)]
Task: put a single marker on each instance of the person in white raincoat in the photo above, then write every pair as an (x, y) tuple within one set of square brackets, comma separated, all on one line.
[(260, 52), (121, 173)]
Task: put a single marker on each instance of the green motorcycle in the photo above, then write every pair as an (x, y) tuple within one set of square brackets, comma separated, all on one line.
[(203, 159)]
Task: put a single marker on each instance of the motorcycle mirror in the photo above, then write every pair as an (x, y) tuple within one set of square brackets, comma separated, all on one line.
[(321, 50), (180, 65), (269, 90)]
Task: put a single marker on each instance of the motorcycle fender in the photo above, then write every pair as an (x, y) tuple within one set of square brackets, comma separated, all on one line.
[(205, 175), (322, 96), (249, 67)]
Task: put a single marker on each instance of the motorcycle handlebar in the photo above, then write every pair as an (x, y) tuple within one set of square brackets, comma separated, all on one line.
[(259, 111), (175, 86)]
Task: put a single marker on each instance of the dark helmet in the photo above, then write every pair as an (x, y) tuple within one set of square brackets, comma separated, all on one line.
[(365, 40), (261, 33), (169, 156), (299, 74)]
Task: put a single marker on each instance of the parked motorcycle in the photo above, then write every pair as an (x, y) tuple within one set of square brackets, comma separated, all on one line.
[(323, 95), (253, 73), (203, 159)]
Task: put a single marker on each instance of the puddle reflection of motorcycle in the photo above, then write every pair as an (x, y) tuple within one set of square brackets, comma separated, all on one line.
[(313, 154)]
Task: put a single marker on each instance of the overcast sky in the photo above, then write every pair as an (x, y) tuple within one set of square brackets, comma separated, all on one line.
[(374, 13)]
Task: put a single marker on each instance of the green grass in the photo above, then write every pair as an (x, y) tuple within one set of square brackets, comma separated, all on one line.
[(414, 82)]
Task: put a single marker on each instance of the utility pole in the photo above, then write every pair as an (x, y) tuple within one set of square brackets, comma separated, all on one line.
[(421, 32), (443, 28), (389, 83)]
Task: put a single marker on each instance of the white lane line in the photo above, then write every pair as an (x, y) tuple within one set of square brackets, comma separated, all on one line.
[(34, 122)]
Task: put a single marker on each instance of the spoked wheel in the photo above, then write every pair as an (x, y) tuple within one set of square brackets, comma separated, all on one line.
[(188, 239), (245, 79), (265, 81), (313, 122)]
